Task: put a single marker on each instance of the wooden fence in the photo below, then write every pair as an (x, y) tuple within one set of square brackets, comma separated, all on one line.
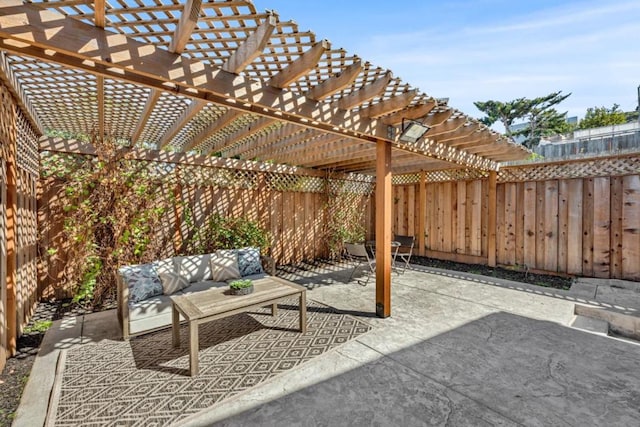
[(294, 209), (578, 218), (18, 228)]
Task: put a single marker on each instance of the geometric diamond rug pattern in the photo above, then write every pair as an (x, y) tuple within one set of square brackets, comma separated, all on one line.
[(145, 381)]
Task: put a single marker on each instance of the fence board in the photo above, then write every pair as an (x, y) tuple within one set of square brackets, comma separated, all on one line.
[(574, 226), (601, 227), (510, 223), (411, 210), (616, 227), (540, 223), (447, 225), (631, 227), (519, 230), (587, 228), (501, 247), (529, 237), (461, 201), (563, 223), (551, 226), (476, 218)]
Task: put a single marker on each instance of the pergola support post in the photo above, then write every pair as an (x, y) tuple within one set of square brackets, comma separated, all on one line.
[(383, 229), (491, 243)]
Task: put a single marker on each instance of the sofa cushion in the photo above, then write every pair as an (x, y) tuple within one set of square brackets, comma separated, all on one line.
[(249, 261), (165, 266), (142, 280), (195, 268), (173, 282), (224, 265), (151, 307), (202, 286)]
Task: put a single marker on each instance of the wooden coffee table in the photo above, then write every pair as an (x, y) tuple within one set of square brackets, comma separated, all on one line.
[(205, 306)]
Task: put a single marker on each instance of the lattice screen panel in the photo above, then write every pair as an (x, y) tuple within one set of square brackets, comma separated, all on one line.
[(610, 166), (64, 98), (210, 113), (60, 165), (27, 156), (123, 105), (167, 111), (242, 122)]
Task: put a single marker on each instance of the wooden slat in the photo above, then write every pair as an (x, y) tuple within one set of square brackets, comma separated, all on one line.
[(301, 66), (336, 83), (631, 227), (510, 201), (447, 220), (422, 212), (601, 227), (519, 256), (551, 226), (563, 224), (100, 98), (616, 227), (501, 246), (186, 25), (574, 226), (529, 239), (476, 229), (491, 225), (587, 228), (229, 144), (251, 48)]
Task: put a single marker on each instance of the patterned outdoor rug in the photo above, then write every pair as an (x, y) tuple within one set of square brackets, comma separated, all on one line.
[(145, 381)]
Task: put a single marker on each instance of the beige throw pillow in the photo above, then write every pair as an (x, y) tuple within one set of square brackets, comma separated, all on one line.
[(172, 282), (224, 265)]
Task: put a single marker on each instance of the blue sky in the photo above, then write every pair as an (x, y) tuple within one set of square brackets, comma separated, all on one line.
[(489, 49)]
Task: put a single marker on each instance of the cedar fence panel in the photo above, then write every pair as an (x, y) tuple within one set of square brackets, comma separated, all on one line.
[(577, 218)]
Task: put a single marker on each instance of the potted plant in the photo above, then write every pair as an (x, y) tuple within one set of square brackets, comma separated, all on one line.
[(241, 287)]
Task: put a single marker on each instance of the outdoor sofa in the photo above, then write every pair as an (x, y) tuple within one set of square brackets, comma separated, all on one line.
[(144, 290)]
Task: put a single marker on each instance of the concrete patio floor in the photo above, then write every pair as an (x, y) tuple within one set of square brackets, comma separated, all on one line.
[(454, 352)]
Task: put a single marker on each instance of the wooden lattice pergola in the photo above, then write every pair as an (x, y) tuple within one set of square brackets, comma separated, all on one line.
[(217, 77)]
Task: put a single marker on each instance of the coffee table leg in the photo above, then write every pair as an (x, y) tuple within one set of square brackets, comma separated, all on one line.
[(193, 348), (175, 326), (274, 309), (303, 312)]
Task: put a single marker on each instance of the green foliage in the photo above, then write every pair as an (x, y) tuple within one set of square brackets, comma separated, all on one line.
[(542, 118), (241, 284), (221, 232), (345, 217), (39, 326), (602, 116), (87, 286)]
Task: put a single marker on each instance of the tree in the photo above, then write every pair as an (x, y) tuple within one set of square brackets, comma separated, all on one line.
[(504, 112), (542, 118), (602, 116)]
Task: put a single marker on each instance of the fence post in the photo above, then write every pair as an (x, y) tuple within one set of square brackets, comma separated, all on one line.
[(491, 221)]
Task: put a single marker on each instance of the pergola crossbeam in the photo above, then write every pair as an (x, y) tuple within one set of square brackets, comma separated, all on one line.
[(336, 83), (301, 66), (230, 140), (388, 106), (220, 123), (251, 48), (194, 107), (150, 104), (365, 93), (99, 17), (186, 25)]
